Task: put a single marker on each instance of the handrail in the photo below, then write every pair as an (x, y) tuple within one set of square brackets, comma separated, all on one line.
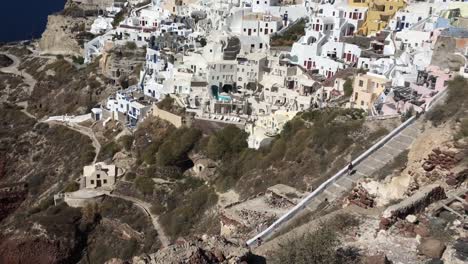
[(302, 204)]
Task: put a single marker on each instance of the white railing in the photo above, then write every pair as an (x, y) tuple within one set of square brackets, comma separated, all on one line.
[(302, 204)]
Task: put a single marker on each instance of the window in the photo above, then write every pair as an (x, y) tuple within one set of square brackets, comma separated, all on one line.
[(258, 2), (255, 30), (105, 181), (361, 83), (391, 7), (271, 30), (261, 45), (362, 103), (92, 181), (98, 176)]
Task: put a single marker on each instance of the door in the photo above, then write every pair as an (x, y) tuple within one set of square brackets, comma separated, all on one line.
[(249, 32), (98, 183)]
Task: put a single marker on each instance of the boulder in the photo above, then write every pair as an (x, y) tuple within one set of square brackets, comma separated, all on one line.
[(376, 259), (411, 218), (431, 248)]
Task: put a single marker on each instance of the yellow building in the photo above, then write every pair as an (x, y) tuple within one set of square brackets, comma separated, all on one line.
[(378, 15), (366, 90)]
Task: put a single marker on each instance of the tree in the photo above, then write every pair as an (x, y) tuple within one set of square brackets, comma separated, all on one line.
[(175, 148), (226, 142), (348, 87)]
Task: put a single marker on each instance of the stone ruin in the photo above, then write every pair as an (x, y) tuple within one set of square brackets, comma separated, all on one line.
[(442, 159), (203, 250), (361, 197), (411, 205)]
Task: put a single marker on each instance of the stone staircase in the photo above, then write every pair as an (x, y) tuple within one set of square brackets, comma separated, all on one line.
[(370, 165)]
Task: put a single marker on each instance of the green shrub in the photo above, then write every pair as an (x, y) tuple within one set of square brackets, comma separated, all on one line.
[(131, 45), (145, 185), (130, 176), (78, 60), (188, 211), (175, 148), (108, 150), (71, 187), (316, 247), (127, 142), (119, 17)]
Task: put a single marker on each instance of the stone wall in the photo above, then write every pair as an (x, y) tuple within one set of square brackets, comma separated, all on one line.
[(176, 120)]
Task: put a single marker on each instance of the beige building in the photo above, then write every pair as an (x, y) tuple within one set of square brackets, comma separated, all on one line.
[(366, 89), (100, 175)]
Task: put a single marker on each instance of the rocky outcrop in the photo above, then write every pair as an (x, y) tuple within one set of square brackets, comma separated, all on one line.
[(411, 205), (203, 251), (443, 159), (11, 197)]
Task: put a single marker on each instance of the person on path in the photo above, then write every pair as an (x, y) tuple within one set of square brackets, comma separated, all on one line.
[(350, 168)]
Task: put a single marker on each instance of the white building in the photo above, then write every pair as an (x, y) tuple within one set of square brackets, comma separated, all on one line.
[(100, 175)]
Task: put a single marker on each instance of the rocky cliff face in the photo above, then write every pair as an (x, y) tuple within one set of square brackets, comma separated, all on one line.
[(63, 35)]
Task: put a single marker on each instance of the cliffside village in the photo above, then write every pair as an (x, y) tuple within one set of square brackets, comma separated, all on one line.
[(257, 64), (217, 61)]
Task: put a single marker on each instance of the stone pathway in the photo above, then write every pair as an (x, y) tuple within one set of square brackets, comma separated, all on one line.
[(367, 167), (82, 130), (370, 165)]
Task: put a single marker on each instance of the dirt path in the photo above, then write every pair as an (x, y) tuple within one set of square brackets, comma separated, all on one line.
[(154, 218), (13, 69), (84, 131)]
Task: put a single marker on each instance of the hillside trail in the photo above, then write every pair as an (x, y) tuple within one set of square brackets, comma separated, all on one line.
[(146, 207)]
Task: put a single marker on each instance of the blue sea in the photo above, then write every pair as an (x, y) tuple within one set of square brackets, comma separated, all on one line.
[(25, 19)]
